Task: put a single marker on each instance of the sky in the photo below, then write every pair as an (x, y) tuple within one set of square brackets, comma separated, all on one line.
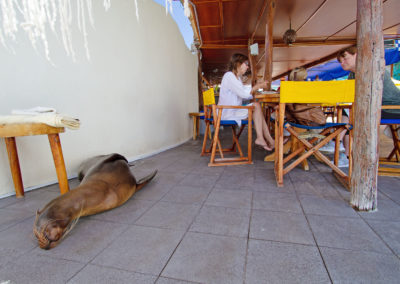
[(181, 20)]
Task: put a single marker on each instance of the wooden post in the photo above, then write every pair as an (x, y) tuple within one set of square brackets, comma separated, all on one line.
[(252, 62), (269, 42), (367, 105), (200, 83)]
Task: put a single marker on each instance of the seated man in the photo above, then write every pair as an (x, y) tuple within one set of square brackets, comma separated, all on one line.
[(390, 95)]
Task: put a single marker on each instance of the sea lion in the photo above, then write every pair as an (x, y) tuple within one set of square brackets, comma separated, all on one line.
[(106, 183)]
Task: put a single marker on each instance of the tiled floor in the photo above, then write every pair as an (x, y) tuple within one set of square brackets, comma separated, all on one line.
[(194, 224)]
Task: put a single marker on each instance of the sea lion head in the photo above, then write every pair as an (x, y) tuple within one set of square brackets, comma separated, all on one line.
[(49, 232)]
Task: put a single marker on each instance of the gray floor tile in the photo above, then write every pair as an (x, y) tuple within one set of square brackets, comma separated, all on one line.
[(267, 178), (6, 201), (387, 211), (169, 215), (347, 233), (222, 221), (270, 262), (8, 255), (33, 268), (276, 202), (128, 213), (280, 226), (313, 183), (330, 207), (9, 217), (202, 168), (140, 249), (273, 188), (19, 237), (200, 180), (182, 165), (86, 240), (34, 201), (390, 187), (208, 259), (187, 194), (235, 179), (99, 275), (389, 232), (346, 266), (230, 198), (164, 280), (153, 191), (168, 178)]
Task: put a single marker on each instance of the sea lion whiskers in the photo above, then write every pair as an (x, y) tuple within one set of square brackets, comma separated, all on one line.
[(72, 224)]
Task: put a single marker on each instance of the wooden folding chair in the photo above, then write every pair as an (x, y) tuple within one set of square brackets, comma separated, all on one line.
[(213, 114), (316, 92), (393, 159)]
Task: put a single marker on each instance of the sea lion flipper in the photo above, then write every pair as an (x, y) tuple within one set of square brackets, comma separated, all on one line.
[(143, 181)]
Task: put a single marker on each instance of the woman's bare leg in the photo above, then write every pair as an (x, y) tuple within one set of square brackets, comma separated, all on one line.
[(343, 137), (262, 129)]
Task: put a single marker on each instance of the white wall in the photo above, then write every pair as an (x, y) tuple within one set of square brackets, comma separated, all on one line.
[(133, 97)]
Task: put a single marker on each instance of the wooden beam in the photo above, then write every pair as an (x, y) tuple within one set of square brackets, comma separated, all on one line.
[(279, 44), (221, 18), (259, 19), (367, 105), (269, 42), (252, 65), (312, 15)]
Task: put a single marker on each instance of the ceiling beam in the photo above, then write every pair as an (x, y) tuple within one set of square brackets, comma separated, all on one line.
[(297, 43), (221, 18), (259, 19), (312, 15)]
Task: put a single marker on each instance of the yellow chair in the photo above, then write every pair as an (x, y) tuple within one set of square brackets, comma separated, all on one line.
[(316, 92), (212, 117)]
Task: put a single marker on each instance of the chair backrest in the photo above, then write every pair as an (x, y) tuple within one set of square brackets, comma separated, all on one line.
[(209, 97), (324, 92)]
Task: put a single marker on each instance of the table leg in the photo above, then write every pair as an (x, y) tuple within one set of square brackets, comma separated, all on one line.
[(58, 157), (194, 127), (14, 166)]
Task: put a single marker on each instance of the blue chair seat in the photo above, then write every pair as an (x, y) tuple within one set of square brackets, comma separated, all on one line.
[(326, 125), (390, 121), (230, 122)]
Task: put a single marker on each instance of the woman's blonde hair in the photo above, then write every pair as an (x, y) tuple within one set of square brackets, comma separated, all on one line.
[(298, 74)]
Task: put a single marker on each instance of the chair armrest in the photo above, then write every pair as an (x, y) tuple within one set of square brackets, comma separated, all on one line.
[(235, 107), (391, 107)]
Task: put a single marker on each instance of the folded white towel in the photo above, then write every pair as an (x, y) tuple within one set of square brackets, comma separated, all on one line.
[(56, 120), (34, 111)]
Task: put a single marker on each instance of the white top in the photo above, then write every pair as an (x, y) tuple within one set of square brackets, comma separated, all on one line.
[(232, 93)]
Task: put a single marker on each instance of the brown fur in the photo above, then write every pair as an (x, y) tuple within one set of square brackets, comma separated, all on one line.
[(106, 183)]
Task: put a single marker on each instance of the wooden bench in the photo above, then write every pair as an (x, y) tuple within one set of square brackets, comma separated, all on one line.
[(196, 122), (10, 131)]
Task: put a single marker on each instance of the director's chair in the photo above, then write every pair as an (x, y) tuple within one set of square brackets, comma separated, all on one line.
[(212, 113), (316, 92), (393, 159)]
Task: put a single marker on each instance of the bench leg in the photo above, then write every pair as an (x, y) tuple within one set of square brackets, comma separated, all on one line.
[(14, 166), (58, 157)]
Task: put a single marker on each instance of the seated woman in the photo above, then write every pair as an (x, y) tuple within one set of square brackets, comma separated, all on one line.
[(233, 93), (390, 94)]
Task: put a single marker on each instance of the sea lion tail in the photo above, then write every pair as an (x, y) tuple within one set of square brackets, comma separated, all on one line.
[(143, 181)]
